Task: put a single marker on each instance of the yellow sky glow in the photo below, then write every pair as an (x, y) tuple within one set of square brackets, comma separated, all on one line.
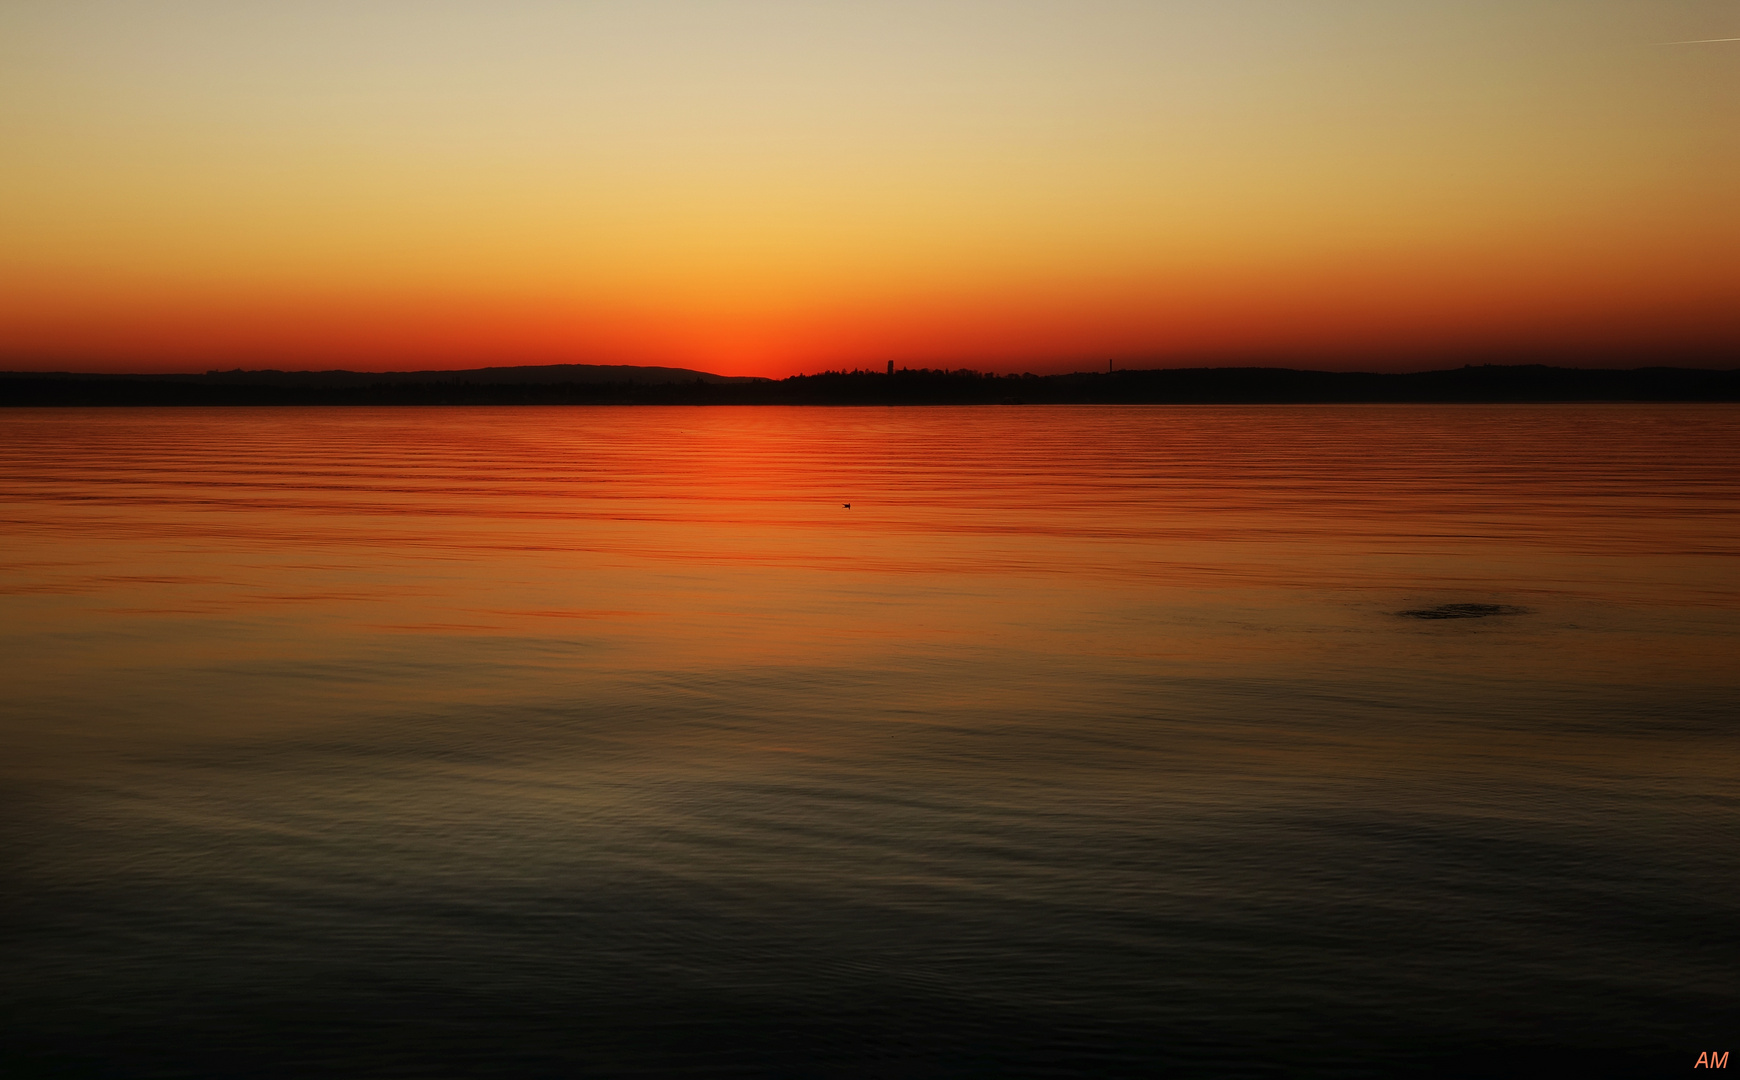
[(765, 187)]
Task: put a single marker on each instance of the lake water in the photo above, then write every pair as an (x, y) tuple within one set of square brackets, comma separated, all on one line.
[(1084, 742)]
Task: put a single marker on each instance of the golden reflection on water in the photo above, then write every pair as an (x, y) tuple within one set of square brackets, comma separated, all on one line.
[(1052, 666), (692, 539)]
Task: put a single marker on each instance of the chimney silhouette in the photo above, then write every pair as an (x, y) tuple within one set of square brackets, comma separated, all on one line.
[(890, 367)]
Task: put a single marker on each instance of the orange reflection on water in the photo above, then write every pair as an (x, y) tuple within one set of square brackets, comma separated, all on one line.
[(1105, 717), (706, 539)]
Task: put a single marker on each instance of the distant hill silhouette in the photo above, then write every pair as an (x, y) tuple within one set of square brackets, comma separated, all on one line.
[(587, 384), (522, 375)]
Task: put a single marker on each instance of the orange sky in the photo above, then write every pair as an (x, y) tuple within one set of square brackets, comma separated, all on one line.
[(767, 188)]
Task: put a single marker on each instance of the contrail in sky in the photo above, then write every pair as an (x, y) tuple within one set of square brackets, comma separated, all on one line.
[(1702, 41)]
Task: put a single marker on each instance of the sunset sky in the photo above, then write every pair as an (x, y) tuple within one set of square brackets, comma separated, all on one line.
[(766, 187)]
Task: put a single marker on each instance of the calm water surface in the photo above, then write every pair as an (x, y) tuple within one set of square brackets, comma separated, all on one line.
[(564, 742)]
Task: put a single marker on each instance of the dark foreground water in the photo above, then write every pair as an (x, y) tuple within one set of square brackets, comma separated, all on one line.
[(1086, 742)]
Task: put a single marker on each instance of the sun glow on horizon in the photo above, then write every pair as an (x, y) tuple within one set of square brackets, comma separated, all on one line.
[(766, 187)]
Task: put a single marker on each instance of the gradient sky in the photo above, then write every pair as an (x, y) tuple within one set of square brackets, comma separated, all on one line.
[(767, 187)]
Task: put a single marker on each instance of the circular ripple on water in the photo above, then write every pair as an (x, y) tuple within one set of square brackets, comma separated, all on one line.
[(1463, 611)]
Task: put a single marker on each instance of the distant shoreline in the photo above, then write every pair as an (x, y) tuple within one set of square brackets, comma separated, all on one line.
[(600, 385)]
